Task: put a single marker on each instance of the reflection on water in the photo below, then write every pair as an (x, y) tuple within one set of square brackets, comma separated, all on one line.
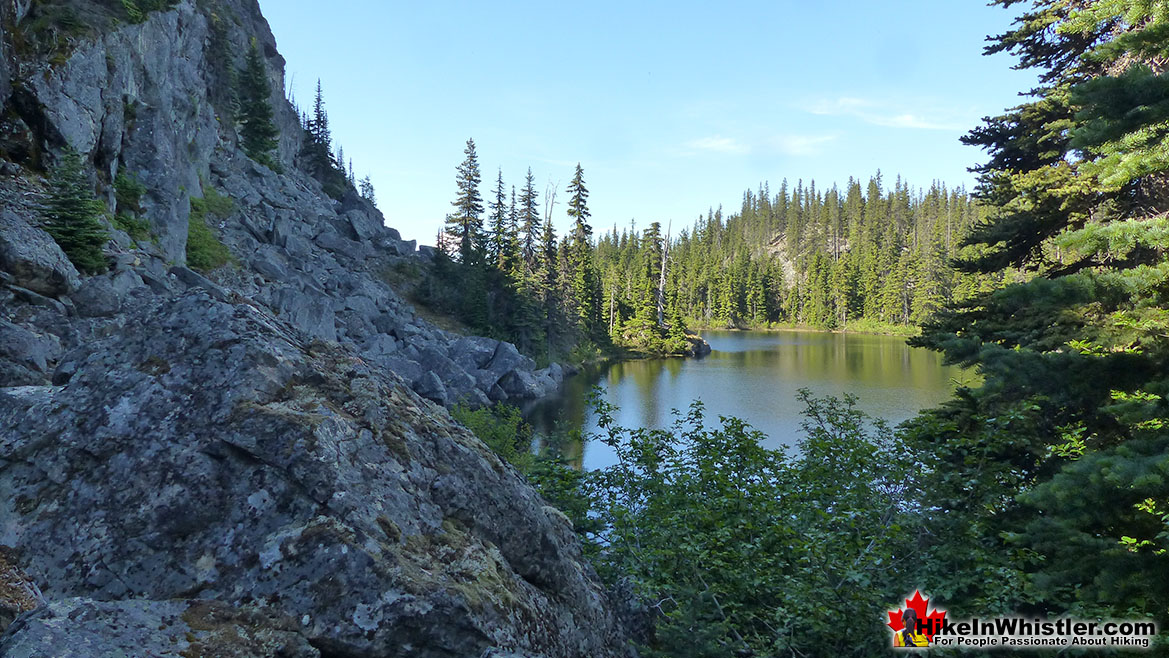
[(754, 376)]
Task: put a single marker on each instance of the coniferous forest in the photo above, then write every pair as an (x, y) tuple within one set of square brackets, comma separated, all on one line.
[(864, 258)]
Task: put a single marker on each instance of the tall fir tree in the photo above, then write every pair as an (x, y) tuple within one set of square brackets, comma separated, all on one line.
[(498, 237), (318, 148), (258, 132), (464, 227), (529, 222), (586, 280)]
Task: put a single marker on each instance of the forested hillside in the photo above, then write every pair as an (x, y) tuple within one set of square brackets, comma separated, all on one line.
[(802, 256), (865, 257)]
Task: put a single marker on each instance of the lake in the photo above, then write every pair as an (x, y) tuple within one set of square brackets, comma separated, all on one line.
[(754, 376)]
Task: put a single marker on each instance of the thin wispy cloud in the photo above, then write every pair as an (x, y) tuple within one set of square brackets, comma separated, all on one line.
[(888, 115), (719, 144), (799, 144), (782, 144)]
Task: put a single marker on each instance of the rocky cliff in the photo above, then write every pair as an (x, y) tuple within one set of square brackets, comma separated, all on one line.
[(151, 101), (248, 461)]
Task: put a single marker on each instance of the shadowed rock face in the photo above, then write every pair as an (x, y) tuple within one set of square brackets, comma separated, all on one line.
[(250, 461), (209, 450)]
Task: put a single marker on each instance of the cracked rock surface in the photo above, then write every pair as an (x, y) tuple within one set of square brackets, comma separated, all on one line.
[(209, 450)]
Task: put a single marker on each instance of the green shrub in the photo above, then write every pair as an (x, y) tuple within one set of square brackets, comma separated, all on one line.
[(204, 250), (128, 191), (135, 227), (133, 12), (136, 10), (741, 550), (502, 428)]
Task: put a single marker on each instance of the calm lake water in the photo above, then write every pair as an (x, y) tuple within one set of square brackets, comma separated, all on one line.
[(754, 376)]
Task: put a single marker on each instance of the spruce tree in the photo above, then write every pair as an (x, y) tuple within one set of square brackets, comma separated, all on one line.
[(257, 131), (529, 222), (71, 214), (586, 281), (496, 244), (318, 142), (549, 268), (509, 254), (464, 227)]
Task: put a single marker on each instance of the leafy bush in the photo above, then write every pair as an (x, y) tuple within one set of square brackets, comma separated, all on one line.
[(741, 550), (503, 429), (133, 12), (136, 10)]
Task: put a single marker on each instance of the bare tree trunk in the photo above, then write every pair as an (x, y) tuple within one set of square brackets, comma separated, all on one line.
[(662, 279), (612, 308)]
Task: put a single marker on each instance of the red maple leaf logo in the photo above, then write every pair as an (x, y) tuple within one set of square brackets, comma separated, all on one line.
[(931, 622)]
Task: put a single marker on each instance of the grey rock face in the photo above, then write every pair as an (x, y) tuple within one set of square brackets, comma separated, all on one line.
[(146, 99), (163, 629), (25, 356), (33, 259), (6, 18), (208, 447), (126, 96), (97, 298), (251, 435)]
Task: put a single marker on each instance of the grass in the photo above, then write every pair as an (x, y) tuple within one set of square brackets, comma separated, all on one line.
[(128, 191), (136, 228), (205, 251)]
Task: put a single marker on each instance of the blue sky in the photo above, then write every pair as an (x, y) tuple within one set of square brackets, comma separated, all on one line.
[(670, 108)]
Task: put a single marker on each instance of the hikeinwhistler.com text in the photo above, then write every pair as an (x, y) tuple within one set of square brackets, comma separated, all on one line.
[(1022, 633)]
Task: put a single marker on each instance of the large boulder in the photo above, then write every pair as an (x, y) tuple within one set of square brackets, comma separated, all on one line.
[(209, 447), (97, 298), (25, 356), (33, 258)]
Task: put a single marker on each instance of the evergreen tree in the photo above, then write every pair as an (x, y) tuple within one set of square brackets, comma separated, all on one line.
[(464, 227), (549, 267), (1051, 473), (317, 151), (72, 214), (509, 249), (318, 148), (586, 281), (257, 131), (497, 243), (366, 191), (529, 222)]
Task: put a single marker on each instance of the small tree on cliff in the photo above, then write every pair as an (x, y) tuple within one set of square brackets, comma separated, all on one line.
[(71, 213), (257, 131)]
